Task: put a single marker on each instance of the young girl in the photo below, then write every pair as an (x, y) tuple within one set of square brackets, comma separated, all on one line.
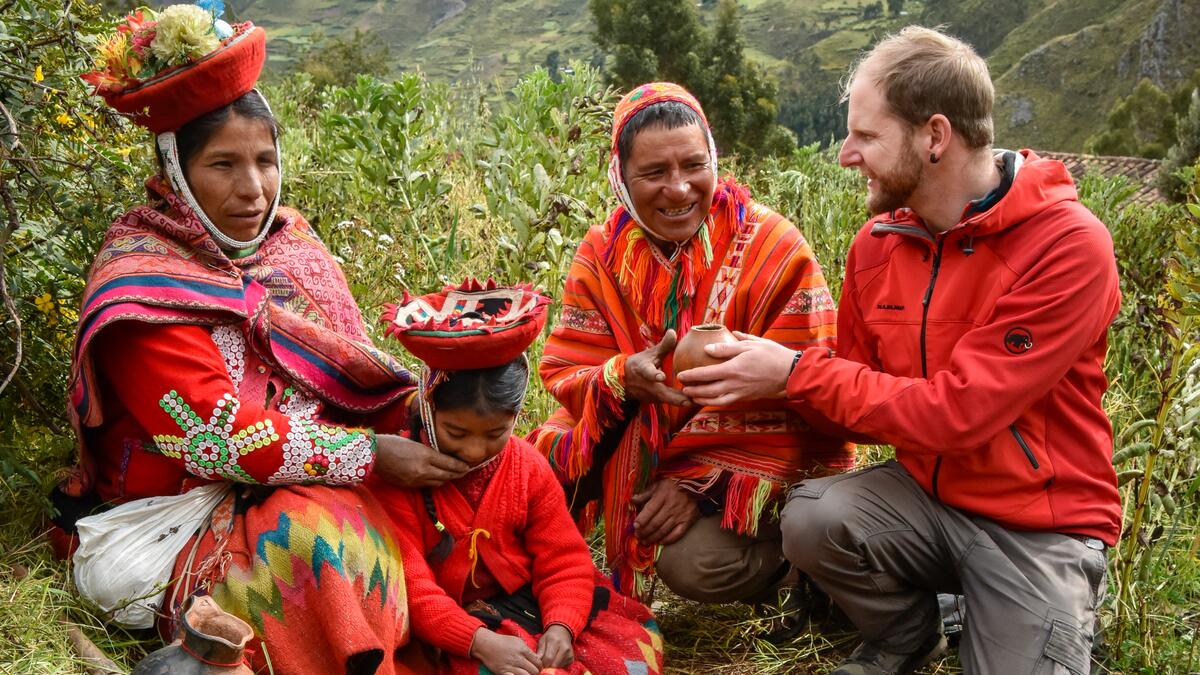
[(497, 573)]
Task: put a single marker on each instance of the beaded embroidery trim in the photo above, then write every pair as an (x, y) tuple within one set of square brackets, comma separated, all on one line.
[(232, 345), (313, 452), (212, 449), (316, 452)]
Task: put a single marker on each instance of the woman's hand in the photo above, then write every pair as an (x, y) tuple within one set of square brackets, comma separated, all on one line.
[(666, 512), (556, 649), (406, 463), (505, 654), (644, 376)]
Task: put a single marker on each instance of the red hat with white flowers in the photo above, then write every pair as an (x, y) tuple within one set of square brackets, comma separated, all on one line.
[(165, 69)]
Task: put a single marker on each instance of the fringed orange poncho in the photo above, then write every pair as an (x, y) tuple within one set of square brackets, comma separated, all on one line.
[(752, 272)]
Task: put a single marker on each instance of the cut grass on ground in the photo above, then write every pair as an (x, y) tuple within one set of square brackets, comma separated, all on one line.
[(39, 609)]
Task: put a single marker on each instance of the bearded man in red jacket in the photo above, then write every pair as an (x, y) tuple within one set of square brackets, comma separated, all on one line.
[(972, 330)]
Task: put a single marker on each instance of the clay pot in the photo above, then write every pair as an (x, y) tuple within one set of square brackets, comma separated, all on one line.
[(689, 353), (210, 634)]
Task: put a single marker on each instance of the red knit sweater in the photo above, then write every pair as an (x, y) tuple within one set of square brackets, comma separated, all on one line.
[(530, 537)]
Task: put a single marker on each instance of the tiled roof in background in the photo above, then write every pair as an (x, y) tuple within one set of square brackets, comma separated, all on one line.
[(1139, 170)]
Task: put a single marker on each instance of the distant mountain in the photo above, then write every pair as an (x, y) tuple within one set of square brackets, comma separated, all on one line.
[(1059, 72), (1058, 64)]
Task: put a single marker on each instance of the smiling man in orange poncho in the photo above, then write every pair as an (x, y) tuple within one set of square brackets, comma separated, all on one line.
[(685, 491)]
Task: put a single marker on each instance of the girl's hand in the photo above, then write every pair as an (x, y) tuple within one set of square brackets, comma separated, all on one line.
[(505, 654), (555, 649)]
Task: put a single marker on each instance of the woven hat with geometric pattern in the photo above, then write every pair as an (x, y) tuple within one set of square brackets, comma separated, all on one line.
[(469, 326)]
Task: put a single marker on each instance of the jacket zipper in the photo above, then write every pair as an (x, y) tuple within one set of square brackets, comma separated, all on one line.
[(933, 274), (1024, 446)]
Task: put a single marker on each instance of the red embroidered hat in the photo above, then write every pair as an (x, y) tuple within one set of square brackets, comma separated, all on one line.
[(469, 326), (168, 70)]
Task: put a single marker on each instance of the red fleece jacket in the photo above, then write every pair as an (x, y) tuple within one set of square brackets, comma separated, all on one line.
[(530, 538), (979, 354)]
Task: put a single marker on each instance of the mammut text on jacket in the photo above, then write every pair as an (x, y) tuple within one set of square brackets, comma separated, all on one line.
[(978, 353)]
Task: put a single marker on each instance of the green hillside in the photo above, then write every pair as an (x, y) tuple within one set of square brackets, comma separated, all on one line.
[(1085, 54), (446, 39), (1058, 64)]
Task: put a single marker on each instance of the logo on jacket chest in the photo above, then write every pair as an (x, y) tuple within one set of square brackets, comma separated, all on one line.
[(1018, 340), (887, 307)]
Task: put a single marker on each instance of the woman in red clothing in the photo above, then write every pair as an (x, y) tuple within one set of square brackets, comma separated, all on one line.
[(219, 348), (498, 575)]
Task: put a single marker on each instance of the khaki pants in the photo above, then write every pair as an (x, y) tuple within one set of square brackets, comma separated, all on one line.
[(713, 564), (881, 548)]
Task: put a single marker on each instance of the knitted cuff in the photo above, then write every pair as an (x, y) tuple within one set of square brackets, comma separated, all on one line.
[(560, 623), (573, 619), (458, 634)]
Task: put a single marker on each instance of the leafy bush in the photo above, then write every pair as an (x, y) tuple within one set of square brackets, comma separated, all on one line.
[(68, 166), (544, 165)]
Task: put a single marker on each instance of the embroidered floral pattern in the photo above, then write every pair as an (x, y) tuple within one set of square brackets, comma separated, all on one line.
[(809, 300), (313, 452), (212, 449), (585, 320), (316, 452)]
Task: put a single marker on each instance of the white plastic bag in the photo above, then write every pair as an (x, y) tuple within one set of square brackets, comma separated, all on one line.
[(126, 555)]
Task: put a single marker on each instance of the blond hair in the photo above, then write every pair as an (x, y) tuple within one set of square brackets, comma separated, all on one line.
[(924, 72)]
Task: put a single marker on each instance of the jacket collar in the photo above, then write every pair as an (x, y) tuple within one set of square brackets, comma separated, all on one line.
[(1033, 185)]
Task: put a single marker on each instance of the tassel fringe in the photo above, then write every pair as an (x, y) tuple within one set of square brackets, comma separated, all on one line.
[(603, 404), (745, 499)]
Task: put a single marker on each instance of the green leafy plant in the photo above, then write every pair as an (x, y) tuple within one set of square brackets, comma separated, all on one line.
[(1157, 466), (543, 160)]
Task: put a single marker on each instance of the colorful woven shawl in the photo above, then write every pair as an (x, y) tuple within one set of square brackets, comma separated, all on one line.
[(747, 268), (160, 265)]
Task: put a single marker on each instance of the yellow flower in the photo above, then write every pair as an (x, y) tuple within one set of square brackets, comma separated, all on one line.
[(37, 74), (64, 120), (67, 311), (45, 303), (113, 56), (124, 152)]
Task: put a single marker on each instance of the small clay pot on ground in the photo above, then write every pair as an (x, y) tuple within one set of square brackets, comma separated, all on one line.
[(689, 353), (213, 642)]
